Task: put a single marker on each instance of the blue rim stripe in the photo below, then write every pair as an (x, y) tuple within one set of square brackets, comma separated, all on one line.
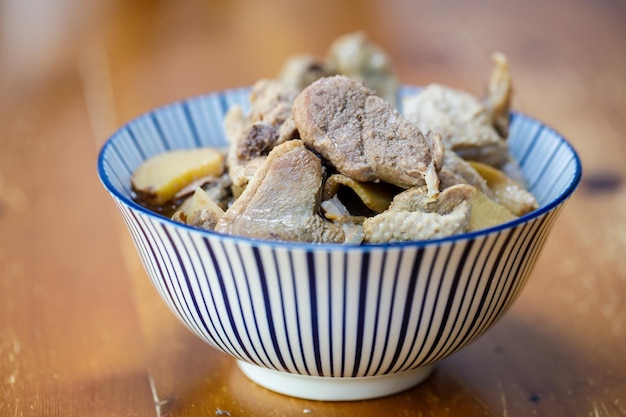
[(284, 309), (249, 302), (466, 299), (425, 339), (452, 294), (532, 143), (314, 315), (408, 303), (160, 133), (212, 307), (239, 330), (330, 323), (389, 324), (377, 311), (298, 315), (268, 308), (363, 281), (192, 124)]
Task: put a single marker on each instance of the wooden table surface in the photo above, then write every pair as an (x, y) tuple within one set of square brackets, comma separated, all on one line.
[(82, 331)]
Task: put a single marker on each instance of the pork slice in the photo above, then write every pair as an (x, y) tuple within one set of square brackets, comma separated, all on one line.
[(270, 101), (462, 120), (499, 94), (457, 170), (252, 136), (413, 215), (281, 201), (365, 137), (358, 57), (301, 70)]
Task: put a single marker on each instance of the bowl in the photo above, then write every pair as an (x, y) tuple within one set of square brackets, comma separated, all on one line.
[(329, 321)]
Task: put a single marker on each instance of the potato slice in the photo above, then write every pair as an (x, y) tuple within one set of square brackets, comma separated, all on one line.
[(160, 177), (487, 213), (375, 196), (508, 192)]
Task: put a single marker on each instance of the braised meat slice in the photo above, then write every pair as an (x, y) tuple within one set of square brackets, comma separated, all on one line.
[(353, 55), (365, 137), (457, 170), (301, 70), (281, 201), (413, 215), (499, 94), (462, 120), (252, 136), (356, 56)]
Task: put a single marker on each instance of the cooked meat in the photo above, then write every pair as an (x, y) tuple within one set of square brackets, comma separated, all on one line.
[(457, 170), (357, 57), (499, 94), (365, 137), (352, 226), (413, 215), (218, 189), (463, 122), (271, 101), (416, 199), (253, 136), (281, 201), (288, 130), (199, 210), (258, 139), (301, 70)]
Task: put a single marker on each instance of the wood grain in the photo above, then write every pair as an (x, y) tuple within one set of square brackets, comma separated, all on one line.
[(82, 331)]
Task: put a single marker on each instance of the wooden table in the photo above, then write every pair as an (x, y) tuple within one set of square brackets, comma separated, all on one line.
[(83, 333)]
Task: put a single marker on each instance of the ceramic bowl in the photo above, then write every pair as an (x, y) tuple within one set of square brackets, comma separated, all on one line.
[(328, 321)]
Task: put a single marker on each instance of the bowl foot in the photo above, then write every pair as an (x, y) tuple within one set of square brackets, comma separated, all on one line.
[(334, 389)]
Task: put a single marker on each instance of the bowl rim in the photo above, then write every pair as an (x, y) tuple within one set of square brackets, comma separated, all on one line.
[(404, 89)]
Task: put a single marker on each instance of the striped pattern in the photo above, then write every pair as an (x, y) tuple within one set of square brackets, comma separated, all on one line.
[(330, 310)]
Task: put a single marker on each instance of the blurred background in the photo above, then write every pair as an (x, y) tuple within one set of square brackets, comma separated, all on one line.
[(127, 56), (125, 48)]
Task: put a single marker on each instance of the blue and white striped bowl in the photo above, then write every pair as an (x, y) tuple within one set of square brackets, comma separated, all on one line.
[(327, 321)]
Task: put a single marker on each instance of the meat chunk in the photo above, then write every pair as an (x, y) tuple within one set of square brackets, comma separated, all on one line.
[(301, 70), (464, 123), (281, 201), (199, 210), (254, 135), (356, 56), (413, 215), (353, 55), (457, 170), (256, 140), (499, 94), (365, 137), (271, 101)]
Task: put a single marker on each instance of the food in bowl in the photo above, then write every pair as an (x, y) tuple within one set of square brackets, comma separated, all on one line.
[(322, 157), (331, 321)]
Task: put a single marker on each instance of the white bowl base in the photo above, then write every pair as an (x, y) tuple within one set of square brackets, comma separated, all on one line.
[(334, 389)]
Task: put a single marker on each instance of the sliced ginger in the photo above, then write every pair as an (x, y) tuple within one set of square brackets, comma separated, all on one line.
[(375, 196), (487, 213), (508, 192), (159, 178)]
